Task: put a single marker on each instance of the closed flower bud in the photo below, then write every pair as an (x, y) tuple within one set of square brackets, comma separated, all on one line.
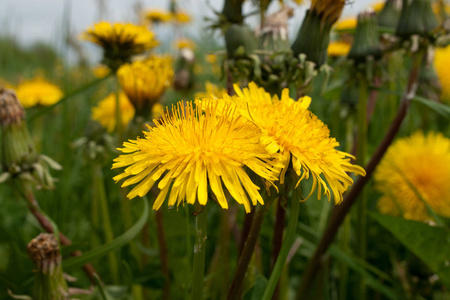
[(367, 41), (417, 17)]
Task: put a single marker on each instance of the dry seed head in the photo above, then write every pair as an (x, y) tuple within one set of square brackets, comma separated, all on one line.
[(44, 252), (11, 111)]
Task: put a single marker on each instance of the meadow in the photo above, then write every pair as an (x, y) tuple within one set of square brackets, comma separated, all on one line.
[(240, 165)]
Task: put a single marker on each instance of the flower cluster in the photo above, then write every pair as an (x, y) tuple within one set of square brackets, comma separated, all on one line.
[(213, 142)]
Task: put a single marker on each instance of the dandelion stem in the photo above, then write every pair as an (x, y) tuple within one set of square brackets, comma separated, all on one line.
[(287, 244), (341, 211), (198, 272), (360, 160), (100, 197), (247, 252), (163, 253), (27, 192), (119, 127)]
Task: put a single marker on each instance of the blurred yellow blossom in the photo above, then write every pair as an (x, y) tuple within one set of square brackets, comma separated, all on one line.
[(181, 17), (101, 71), (212, 91), (38, 91), (157, 15), (184, 43), (420, 161), (105, 111), (339, 48), (441, 63), (346, 24)]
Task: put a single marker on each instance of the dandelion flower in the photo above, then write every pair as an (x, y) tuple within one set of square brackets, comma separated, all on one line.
[(346, 24), (304, 141), (184, 43), (212, 91), (211, 58), (338, 48), (158, 16), (329, 10), (190, 150), (38, 91), (101, 71), (144, 82), (105, 111), (378, 6), (422, 161), (120, 41), (181, 17), (441, 62)]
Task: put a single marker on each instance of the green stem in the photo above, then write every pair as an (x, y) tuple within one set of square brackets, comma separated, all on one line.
[(100, 195), (247, 252), (119, 126), (360, 160), (198, 272), (287, 244)]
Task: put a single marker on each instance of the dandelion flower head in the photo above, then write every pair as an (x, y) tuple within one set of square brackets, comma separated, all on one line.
[(144, 82), (441, 62), (101, 71), (212, 91), (421, 161), (38, 91), (184, 43), (156, 15), (191, 150), (346, 24), (105, 111), (329, 10), (304, 141), (120, 41), (378, 6), (181, 17), (338, 48)]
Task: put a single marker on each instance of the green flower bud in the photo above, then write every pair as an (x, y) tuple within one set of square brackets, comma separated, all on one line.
[(417, 17), (366, 41)]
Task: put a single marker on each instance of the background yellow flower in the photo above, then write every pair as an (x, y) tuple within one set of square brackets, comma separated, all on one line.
[(441, 63), (422, 161), (38, 91), (105, 111)]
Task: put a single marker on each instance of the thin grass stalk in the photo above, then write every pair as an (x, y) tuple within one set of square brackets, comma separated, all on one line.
[(198, 271), (163, 257), (287, 244), (26, 191), (235, 290), (342, 210), (361, 216), (100, 197)]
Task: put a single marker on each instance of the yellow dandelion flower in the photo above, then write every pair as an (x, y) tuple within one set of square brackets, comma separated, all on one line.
[(144, 82), (304, 141), (158, 15), (190, 150), (339, 48), (378, 6), (184, 43), (329, 10), (211, 58), (38, 91), (181, 17), (346, 24), (441, 62), (120, 41), (105, 111), (212, 91), (422, 161), (101, 71)]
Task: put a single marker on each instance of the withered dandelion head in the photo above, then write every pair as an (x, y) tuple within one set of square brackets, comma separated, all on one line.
[(329, 10), (105, 111), (144, 82), (120, 41), (415, 169), (191, 150), (304, 141), (38, 91)]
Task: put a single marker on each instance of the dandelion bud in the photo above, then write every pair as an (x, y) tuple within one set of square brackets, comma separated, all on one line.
[(314, 34), (49, 281), (240, 40), (390, 14), (417, 17), (232, 11), (17, 147), (367, 41)]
